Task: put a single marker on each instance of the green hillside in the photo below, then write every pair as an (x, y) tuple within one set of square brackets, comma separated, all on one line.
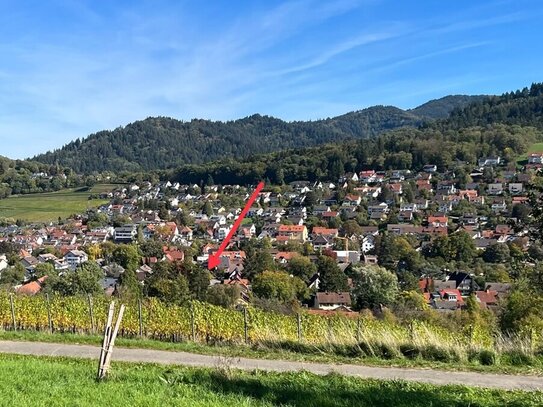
[(161, 142)]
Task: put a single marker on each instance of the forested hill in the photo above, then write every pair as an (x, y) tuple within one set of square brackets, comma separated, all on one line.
[(161, 143), (503, 125), (523, 107), (441, 108)]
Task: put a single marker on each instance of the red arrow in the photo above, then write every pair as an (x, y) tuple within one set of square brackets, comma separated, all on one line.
[(214, 259)]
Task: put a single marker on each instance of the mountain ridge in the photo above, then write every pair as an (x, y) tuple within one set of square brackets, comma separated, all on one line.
[(158, 143)]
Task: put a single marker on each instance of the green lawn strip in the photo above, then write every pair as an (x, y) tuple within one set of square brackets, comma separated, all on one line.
[(51, 381), (49, 206), (259, 352)]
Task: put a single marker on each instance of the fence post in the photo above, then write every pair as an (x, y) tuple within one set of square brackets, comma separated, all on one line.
[(245, 331), (192, 327), (49, 319), (140, 317), (91, 313), (12, 305), (358, 323), (299, 322)]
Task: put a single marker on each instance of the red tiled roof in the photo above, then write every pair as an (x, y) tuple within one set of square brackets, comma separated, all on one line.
[(291, 228), (285, 255), (453, 291), (32, 288), (319, 230)]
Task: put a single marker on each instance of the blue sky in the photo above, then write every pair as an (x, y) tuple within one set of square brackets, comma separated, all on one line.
[(69, 68)]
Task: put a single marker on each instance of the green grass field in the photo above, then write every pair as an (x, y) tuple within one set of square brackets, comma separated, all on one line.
[(45, 381), (48, 207), (534, 148)]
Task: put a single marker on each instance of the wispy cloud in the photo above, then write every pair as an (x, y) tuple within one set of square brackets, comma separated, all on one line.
[(296, 59)]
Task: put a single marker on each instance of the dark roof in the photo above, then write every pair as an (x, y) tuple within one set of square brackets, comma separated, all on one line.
[(458, 277), (499, 287), (334, 298)]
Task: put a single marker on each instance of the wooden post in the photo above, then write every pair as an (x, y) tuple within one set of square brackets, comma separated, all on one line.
[(91, 314), (299, 321), (192, 325), (12, 305), (105, 342), (245, 331), (140, 317), (109, 352), (49, 319)]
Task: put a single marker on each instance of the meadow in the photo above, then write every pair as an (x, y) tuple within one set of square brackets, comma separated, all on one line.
[(534, 148), (47, 381), (48, 207)]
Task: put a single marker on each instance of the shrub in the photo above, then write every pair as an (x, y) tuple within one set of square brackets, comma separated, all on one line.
[(517, 357), (435, 353), (487, 357), (410, 351)]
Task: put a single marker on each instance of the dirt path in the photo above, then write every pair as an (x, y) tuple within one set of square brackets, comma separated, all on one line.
[(189, 359)]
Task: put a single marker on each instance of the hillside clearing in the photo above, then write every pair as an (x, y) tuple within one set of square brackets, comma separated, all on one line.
[(48, 207), (534, 148)]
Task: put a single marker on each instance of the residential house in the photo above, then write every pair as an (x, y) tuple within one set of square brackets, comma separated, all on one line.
[(469, 194), (446, 188), (292, 232), (405, 216), (396, 188), (352, 200), (489, 161), (368, 243), (347, 256), (487, 299), (438, 220), (463, 281), (368, 176), (125, 234), (31, 288), (402, 228), (171, 254), (430, 168), (424, 185), (332, 301), (448, 300), (535, 158), (499, 205), (75, 257), (3, 262), (516, 188), (380, 209), (494, 188)]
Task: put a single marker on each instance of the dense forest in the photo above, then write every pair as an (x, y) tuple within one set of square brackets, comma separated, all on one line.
[(441, 108), (162, 143), (26, 177), (504, 125), (398, 149)]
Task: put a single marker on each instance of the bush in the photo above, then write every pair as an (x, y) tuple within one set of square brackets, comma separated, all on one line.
[(437, 354), (487, 357), (388, 351), (517, 358), (410, 351)]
